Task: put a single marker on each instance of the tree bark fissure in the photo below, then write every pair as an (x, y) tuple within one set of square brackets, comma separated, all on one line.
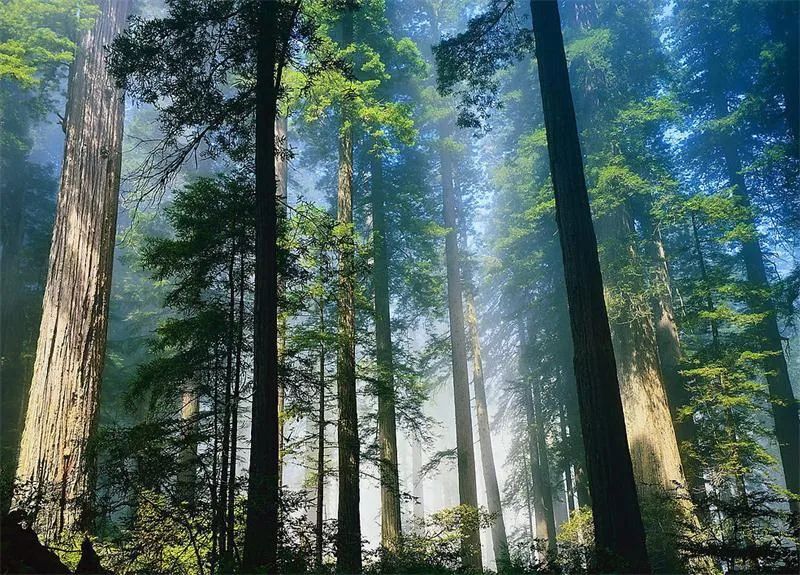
[(54, 458)]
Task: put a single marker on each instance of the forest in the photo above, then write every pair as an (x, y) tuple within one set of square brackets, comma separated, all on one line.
[(399, 286)]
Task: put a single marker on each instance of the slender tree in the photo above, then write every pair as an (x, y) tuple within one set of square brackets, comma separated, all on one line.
[(263, 490), (616, 515), (391, 530), (348, 557), (54, 460), (467, 486)]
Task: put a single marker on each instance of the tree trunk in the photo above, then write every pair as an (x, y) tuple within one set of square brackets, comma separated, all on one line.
[(784, 404), (62, 406), (282, 193), (391, 530), (493, 501), (417, 479), (348, 538), (467, 487), (617, 520), (651, 434), (187, 477), (263, 491), (668, 345), (537, 447), (320, 504), (569, 489)]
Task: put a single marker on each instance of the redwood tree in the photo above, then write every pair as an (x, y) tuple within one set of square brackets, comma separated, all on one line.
[(54, 460)]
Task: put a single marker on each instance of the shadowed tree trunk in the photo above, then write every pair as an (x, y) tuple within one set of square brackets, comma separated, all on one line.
[(391, 529), (348, 538), (784, 404), (493, 501), (282, 193), (320, 503), (62, 406), (263, 490), (619, 532), (467, 487)]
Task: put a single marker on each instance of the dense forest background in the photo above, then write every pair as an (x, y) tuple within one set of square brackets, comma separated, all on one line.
[(399, 286)]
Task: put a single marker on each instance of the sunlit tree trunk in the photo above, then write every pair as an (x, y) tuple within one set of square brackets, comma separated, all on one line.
[(62, 406), (391, 529), (263, 490), (651, 434), (187, 478), (493, 501), (418, 485), (467, 486), (669, 350), (617, 519), (348, 538)]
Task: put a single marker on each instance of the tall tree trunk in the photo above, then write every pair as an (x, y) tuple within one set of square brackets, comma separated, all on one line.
[(282, 192), (537, 447), (493, 501), (569, 489), (669, 349), (320, 503), (348, 538), (784, 404), (651, 434), (263, 491), (467, 486), (617, 519), (237, 386), (391, 530), (62, 406)]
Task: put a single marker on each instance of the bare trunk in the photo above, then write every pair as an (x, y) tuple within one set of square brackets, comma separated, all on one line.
[(62, 407), (187, 479), (282, 194), (619, 533), (669, 351), (263, 490), (348, 538), (320, 503), (417, 479), (537, 447), (467, 487), (391, 530), (493, 501)]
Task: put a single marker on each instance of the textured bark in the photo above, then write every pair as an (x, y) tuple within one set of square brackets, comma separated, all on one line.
[(263, 490), (668, 344), (62, 406), (467, 486), (784, 405), (617, 519), (651, 435), (391, 529), (493, 501), (348, 537)]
